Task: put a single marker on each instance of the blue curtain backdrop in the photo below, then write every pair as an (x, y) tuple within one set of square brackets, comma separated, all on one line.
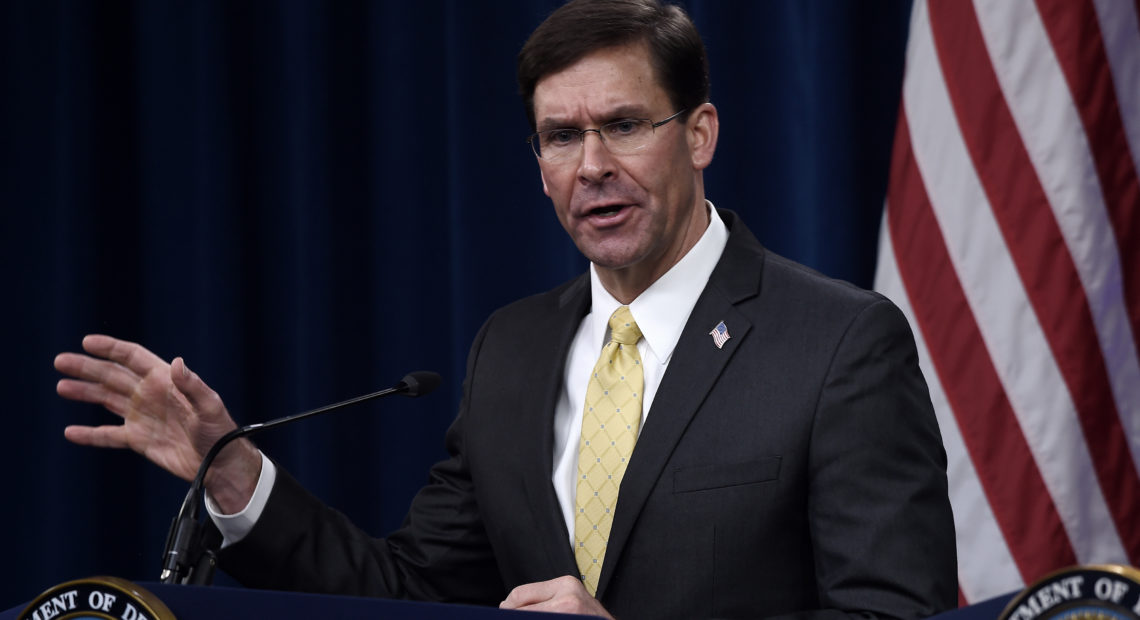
[(309, 199)]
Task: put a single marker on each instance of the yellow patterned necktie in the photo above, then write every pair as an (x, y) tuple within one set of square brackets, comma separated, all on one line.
[(610, 421)]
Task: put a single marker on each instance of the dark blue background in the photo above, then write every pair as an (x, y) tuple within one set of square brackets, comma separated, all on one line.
[(309, 199)]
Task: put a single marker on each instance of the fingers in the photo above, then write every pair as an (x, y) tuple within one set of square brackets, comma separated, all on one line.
[(526, 595), (130, 355), (564, 594), (85, 368), (87, 392), (97, 436), (114, 363), (114, 371)]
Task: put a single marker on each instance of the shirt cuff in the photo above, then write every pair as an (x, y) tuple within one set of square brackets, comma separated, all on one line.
[(235, 527)]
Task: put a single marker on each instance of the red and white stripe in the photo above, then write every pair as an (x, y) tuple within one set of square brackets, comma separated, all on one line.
[(1011, 240)]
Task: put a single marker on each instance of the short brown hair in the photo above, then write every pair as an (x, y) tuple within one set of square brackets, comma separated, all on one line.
[(580, 27)]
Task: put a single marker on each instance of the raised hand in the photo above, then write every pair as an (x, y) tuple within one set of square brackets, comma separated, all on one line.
[(169, 414)]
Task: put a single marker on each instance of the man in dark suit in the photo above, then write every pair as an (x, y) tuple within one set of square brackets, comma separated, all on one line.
[(772, 451)]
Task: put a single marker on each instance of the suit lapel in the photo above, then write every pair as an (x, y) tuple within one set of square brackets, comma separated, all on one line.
[(556, 331), (693, 370)]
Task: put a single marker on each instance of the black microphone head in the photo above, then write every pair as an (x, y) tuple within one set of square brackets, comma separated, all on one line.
[(419, 383)]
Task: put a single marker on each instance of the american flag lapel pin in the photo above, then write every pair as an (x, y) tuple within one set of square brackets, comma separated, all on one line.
[(720, 335)]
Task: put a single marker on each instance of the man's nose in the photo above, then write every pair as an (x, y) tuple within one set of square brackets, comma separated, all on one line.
[(597, 162)]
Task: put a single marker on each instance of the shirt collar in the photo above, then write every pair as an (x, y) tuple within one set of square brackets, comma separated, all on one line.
[(663, 309)]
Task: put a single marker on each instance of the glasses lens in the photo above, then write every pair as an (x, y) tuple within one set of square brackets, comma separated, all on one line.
[(626, 136), (620, 137), (556, 144)]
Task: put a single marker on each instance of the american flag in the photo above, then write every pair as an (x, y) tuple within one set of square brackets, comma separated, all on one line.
[(720, 334), (1011, 240)]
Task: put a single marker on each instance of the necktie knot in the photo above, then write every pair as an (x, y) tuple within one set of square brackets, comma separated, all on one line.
[(623, 329)]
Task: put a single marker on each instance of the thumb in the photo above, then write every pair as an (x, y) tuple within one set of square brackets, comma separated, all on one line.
[(202, 399)]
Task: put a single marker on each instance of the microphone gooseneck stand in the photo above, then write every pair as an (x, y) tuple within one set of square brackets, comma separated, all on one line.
[(186, 558)]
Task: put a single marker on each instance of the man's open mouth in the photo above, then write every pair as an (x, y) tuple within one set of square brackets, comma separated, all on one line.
[(606, 210)]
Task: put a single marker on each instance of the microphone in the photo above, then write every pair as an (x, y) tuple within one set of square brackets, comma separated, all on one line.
[(186, 559)]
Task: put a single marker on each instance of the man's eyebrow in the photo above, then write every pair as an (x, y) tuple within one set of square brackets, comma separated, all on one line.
[(620, 112), (627, 111), (547, 124)]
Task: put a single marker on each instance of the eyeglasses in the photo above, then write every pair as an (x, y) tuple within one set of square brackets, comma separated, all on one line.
[(622, 137)]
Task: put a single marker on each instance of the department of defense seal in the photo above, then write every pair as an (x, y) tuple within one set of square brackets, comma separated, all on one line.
[(1102, 592), (107, 598)]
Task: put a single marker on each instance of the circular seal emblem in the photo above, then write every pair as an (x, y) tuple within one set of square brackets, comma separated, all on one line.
[(108, 598), (1104, 592)]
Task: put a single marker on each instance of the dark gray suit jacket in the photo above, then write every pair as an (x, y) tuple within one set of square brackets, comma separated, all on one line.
[(799, 468)]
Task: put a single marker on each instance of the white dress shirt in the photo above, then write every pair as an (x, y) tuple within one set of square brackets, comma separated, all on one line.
[(660, 312)]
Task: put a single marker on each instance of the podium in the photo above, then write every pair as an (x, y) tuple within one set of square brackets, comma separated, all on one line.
[(1089, 591), (201, 603)]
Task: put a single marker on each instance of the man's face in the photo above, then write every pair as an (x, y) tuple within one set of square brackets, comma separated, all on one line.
[(634, 216)]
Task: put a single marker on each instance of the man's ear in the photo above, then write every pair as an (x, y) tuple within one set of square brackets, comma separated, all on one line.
[(542, 175), (703, 128)]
